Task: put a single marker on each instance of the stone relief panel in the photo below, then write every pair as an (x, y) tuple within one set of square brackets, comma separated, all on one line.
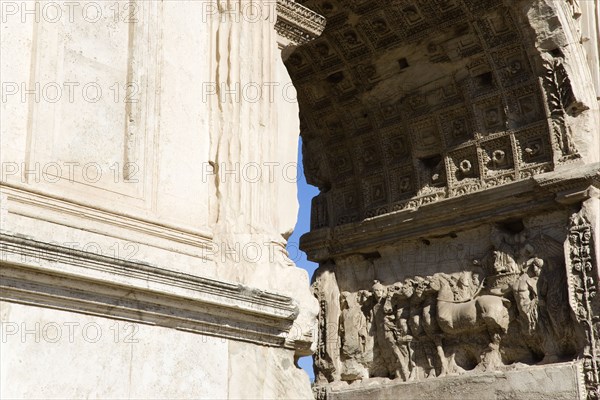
[(463, 306), (488, 105)]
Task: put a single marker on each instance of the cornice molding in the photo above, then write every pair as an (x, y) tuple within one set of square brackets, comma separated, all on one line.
[(297, 23), (548, 191), (48, 275)]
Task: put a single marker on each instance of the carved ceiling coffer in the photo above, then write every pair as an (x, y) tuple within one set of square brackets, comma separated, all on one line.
[(455, 144)]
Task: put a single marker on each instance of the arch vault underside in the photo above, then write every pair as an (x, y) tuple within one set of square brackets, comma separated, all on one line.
[(406, 103)]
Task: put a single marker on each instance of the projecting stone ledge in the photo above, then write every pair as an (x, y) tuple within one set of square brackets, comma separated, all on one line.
[(549, 382)]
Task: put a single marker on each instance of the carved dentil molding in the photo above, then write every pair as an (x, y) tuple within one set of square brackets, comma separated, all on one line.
[(297, 23)]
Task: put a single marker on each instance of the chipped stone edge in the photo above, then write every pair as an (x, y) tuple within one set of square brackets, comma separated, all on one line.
[(367, 388)]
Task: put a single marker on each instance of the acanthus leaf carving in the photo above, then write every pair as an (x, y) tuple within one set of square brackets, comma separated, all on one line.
[(583, 273), (561, 102)]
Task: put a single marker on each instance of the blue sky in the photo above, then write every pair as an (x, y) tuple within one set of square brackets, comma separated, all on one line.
[(305, 195)]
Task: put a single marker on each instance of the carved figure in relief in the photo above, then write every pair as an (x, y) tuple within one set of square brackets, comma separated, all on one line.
[(530, 269), (386, 335), (557, 331), (556, 328), (354, 333), (398, 301), (414, 318), (466, 287), (425, 329), (399, 346), (500, 267), (504, 261), (525, 291)]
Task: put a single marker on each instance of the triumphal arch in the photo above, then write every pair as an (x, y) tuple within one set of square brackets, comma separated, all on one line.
[(455, 144), (145, 199)]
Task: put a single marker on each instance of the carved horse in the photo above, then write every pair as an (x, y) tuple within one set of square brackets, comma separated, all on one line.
[(482, 313)]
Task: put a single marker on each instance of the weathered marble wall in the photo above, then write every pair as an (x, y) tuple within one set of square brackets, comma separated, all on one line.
[(148, 176), (94, 357)]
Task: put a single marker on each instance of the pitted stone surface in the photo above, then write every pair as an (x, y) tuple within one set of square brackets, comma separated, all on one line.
[(560, 382)]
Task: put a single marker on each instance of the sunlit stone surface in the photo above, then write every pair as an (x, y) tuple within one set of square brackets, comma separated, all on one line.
[(148, 189)]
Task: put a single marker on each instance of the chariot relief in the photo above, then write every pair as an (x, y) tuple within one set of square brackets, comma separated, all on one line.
[(451, 142), (510, 307)]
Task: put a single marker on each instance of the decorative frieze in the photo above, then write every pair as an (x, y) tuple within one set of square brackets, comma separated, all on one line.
[(296, 23), (584, 285), (451, 141)]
